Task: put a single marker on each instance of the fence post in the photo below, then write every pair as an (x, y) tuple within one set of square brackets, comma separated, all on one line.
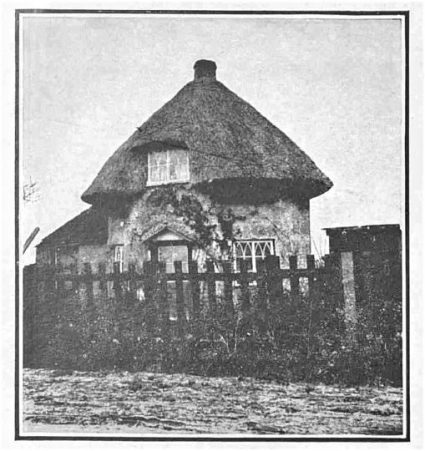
[(60, 282), (244, 286), (90, 299), (212, 301), (333, 277), (347, 278), (274, 280), (117, 282), (179, 298), (89, 284), (294, 279), (132, 275), (102, 279), (149, 273), (262, 296), (311, 277), (196, 296), (74, 271), (228, 290), (163, 302)]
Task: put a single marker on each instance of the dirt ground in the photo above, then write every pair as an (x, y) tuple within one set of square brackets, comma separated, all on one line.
[(148, 403)]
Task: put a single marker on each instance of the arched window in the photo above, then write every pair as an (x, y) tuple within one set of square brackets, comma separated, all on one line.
[(251, 251)]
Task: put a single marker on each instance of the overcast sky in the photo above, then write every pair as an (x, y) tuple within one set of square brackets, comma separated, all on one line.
[(334, 86)]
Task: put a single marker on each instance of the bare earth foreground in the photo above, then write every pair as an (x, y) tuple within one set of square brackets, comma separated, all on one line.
[(148, 403)]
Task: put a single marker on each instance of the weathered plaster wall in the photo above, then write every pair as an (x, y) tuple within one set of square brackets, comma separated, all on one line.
[(95, 255), (285, 221)]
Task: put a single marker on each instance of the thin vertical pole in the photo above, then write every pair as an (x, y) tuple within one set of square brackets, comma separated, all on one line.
[(180, 298), (212, 302), (274, 280), (294, 280), (228, 290)]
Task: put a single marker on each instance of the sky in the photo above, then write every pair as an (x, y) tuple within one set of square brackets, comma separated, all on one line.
[(334, 86)]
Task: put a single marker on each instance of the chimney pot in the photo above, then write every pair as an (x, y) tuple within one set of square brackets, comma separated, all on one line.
[(205, 69)]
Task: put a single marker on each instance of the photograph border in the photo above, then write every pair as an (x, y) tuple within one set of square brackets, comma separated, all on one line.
[(405, 14)]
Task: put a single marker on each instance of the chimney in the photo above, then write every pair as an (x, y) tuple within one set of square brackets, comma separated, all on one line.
[(205, 70)]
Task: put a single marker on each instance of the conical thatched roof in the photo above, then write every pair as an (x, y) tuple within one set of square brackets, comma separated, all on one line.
[(226, 139)]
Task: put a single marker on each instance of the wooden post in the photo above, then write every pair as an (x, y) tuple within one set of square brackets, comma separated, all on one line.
[(74, 272), (149, 274), (212, 301), (89, 284), (244, 286), (90, 298), (350, 312), (179, 298), (311, 278), (195, 290), (163, 302), (274, 280), (132, 280), (117, 282), (262, 295), (333, 279), (102, 280), (228, 290), (60, 282), (294, 280)]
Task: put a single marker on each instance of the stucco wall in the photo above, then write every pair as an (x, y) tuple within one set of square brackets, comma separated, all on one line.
[(74, 257), (285, 221)]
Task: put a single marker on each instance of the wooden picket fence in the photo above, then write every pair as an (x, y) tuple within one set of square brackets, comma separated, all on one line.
[(268, 282)]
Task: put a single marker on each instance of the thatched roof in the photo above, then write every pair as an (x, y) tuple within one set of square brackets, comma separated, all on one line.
[(226, 139), (88, 228)]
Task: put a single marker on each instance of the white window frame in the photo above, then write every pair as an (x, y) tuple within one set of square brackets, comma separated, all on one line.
[(254, 245), (119, 256), (150, 182)]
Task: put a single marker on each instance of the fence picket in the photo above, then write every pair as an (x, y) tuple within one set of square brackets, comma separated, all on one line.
[(195, 289), (149, 278), (132, 284), (117, 282), (179, 298), (311, 278), (262, 307), (89, 284), (244, 286), (274, 280), (228, 290), (164, 309), (294, 279), (212, 302)]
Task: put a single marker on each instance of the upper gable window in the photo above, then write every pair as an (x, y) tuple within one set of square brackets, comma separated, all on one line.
[(168, 166)]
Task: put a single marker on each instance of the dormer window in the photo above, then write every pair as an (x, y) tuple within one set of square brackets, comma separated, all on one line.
[(168, 166)]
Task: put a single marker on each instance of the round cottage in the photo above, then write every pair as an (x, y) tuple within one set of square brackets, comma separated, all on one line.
[(206, 175)]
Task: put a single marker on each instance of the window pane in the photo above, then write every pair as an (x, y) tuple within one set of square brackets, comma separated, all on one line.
[(158, 158), (167, 166), (162, 174), (178, 164), (171, 254)]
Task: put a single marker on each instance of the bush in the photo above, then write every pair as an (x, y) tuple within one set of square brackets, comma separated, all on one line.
[(301, 339)]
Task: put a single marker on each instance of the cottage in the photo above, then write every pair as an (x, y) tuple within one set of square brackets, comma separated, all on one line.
[(205, 177)]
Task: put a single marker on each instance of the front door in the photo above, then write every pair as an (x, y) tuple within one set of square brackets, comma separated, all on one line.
[(170, 253)]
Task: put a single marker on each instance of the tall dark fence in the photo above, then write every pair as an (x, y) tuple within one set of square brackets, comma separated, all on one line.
[(208, 320)]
